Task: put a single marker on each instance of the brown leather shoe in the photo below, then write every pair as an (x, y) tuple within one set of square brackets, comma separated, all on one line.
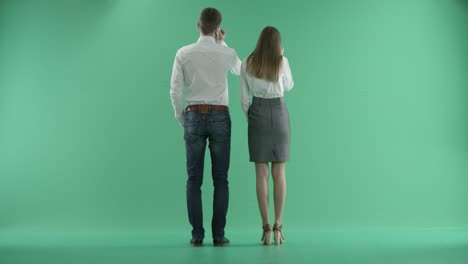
[(196, 242), (221, 242)]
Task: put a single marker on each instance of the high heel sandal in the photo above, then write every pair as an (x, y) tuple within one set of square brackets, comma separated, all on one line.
[(266, 236), (278, 234)]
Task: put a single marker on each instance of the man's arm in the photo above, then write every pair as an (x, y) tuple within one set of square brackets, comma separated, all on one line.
[(244, 92), (177, 81), (235, 63)]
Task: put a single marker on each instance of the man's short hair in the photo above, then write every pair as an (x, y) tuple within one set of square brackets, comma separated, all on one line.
[(210, 19)]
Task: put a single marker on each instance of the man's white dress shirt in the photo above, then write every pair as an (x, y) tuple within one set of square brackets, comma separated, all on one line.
[(199, 74)]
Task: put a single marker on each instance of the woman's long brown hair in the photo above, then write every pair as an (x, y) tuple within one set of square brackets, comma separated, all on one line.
[(265, 61)]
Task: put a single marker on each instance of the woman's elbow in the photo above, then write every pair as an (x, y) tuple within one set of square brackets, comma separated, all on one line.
[(289, 85)]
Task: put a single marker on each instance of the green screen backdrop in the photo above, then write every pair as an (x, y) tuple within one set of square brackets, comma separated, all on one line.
[(88, 139)]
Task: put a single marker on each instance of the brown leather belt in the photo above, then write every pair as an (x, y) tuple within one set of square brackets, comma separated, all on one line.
[(205, 108)]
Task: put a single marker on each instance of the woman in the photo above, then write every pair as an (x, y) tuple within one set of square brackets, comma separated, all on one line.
[(265, 75)]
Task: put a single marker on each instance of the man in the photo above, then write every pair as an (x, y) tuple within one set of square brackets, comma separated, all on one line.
[(200, 76)]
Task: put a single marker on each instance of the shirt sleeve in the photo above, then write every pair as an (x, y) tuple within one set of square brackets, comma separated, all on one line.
[(177, 81), (235, 63), (222, 43), (244, 90), (288, 82)]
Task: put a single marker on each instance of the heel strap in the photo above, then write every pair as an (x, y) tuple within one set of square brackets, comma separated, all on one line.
[(266, 228), (277, 227)]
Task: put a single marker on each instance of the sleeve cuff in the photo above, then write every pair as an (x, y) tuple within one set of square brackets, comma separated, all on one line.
[(181, 120)]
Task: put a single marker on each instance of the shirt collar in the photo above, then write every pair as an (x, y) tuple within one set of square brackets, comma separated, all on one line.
[(206, 39)]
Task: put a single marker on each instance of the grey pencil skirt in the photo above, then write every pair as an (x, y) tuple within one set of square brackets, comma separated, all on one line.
[(269, 130)]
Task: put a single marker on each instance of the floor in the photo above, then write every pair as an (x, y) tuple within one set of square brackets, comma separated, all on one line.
[(425, 246)]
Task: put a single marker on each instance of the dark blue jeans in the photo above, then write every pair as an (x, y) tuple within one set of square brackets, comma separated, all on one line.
[(214, 127)]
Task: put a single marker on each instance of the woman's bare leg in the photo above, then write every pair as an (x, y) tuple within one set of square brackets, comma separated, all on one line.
[(261, 170), (278, 170)]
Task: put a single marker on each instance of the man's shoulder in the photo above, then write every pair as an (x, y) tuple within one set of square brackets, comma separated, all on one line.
[(186, 48), (231, 50), (223, 46), (228, 52), (215, 48)]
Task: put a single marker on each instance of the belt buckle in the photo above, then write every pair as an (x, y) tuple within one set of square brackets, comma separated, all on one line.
[(204, 108)]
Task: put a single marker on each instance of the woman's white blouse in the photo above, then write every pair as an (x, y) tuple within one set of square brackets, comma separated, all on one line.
[(252, 86)]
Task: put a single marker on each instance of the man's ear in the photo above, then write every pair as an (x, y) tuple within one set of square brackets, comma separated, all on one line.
[(198, 25)]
